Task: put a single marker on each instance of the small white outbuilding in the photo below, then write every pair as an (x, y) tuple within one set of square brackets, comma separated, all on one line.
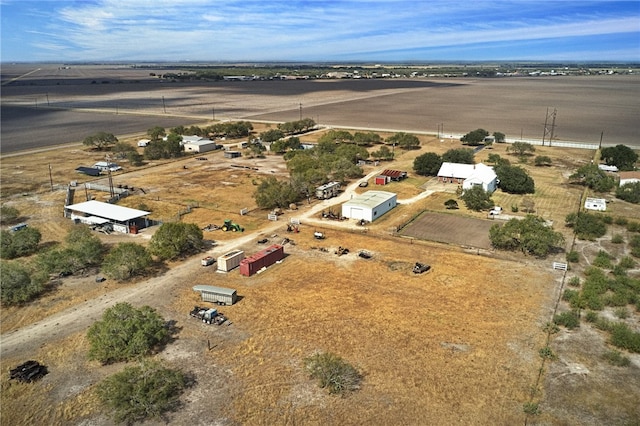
[(369, 205), (598, 204)]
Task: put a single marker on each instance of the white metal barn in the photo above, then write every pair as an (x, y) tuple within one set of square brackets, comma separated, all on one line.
[(123, 219), (369, 205), (202, 145)]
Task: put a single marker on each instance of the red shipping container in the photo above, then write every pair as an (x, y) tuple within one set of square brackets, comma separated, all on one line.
[(264, 258)]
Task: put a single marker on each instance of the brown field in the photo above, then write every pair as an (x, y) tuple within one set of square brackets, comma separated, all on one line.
[(457, 345), (450, 229), (53, 106)]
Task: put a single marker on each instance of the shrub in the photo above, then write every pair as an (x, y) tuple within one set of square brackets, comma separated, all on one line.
[(126, 260), (586, 226), (333, 372), (633, 226), (616, 358), (547, 353), (8, 214), (623, 337), (451, 204), (141, 392), (617, 239), (574, 282), (607, 219), (573, 256), (568, 319), (627, 262), (17, 285), (19, 243), (603, 260), (591, 317), (622, 313), (514, 209), (621, 220), (531, 408), (126, 333)]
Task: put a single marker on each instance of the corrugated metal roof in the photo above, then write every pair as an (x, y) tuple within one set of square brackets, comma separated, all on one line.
[(393, 173), (88, 171), (106, 210), (213, 289), (479, 171), (370, 199)]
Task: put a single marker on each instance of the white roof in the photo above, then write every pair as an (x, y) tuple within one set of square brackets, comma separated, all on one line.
[(213, 289), (191, 138), (106, 210), (371, 199), (479, 172), (198, 142)]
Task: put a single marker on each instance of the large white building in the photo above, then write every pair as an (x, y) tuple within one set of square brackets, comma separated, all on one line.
[(369, 205), (469, 175)]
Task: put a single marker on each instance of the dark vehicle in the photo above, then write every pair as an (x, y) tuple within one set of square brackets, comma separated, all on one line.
[(420, 268)]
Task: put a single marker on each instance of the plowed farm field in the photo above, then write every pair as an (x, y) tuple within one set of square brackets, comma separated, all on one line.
[(447, 228)]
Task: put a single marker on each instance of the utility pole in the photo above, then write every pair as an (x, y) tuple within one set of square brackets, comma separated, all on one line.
[(48, 99), (50, 177), (300, 111), (601, 135), (549, 130), (164, 107), (213, 113)]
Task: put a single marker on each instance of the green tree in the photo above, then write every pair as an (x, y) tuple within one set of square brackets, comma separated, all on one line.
[(383, 153), (475, 137), (142, 392), (404, 140), (156, 133), (170, 148), (336, 136), (135, 159), (494, 158), (542, 160), (272, 193), (621, 156), (100, 140), (352, 152), (333, 373), (16, 284), (531, 235), (125, 333), (521, 148), (460, 155), (366, 139), (87, 246), (19, 243), (427, 164), (476, 198), (591, 176), (586, 226), (515, 180), (629, 192), (122, 149), (178, 130), (499, 137), (176, 239), (271, 135), (126, 260), (8, 214)]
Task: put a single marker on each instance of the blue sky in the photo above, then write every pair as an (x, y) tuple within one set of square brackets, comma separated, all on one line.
[(314, 30)]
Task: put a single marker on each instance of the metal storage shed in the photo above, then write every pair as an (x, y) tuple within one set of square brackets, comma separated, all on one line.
[(124, 219), (230, 260), (262, 259), (210, 293), (369, 205)]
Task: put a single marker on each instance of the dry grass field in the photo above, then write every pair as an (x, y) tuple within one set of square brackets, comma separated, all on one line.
[(456, 345)]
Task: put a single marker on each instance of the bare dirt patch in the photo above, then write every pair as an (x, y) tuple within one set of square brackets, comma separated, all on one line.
[(449, 228)]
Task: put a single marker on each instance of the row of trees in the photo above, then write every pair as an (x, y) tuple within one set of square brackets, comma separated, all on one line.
[(22, 282), (478, 136)]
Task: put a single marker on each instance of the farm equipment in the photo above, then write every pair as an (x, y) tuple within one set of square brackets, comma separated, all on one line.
[(420, 268), (208, 261), (229, 225), (318, 235), (211, 227), (208, 316), (365, 254), (342, 250), (292, 228), (28, 372)]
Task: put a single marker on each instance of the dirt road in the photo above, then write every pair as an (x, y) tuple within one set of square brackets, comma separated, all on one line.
[(28, 339)]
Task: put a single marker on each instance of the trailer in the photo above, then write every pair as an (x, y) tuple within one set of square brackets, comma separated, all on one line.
[(328, 190), (262, 259), (219, 295), (231, 260)]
